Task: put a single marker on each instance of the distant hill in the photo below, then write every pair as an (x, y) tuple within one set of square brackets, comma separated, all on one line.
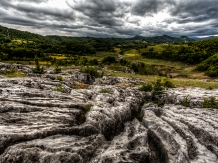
[(204, 38), (8, 33), (68, 38), (163, 39)]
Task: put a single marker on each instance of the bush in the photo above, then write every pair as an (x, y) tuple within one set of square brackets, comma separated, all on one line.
[(186, 102), (168, 84), (59, 78), (143, 69), (57, 69), (210, 88), (137, 114), (109, 60), (38, 69), (210, 103), (159, 102), (146, 87), (93, 62), (92, 71), (158, 88), (123, 62)]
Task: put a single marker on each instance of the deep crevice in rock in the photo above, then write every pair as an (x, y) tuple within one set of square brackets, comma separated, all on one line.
[(158, 154)]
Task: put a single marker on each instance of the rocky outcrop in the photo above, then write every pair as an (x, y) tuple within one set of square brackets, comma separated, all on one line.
[(131, 145), (82, 119), (4, 68), (193, 97), (180, 134)]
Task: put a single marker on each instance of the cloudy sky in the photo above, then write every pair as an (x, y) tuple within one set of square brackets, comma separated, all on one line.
[(112, 18)]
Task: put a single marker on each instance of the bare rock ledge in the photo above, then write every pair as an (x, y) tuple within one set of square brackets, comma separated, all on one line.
[(86, 120)]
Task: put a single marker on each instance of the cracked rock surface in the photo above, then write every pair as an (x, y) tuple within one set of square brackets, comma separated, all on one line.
[(194, 96), (87, 120)]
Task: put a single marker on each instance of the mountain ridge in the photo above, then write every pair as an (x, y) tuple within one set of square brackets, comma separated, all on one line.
[(9, 33), (164, 39)]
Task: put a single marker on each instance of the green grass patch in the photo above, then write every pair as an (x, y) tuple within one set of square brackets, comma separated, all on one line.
[(59, 88), (105, 91)]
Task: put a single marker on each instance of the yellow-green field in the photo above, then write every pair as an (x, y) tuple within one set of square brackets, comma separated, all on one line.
[(59, 57)]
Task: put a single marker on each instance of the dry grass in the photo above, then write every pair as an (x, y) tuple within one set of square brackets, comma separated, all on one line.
[(123, 84), (80, 86)]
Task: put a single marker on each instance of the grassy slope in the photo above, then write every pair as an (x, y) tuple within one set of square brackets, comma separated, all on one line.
[(191, 76), (179, 82), (180, 69)]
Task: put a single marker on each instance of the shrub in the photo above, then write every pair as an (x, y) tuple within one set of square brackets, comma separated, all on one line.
[(123, 62), (38, 69), (186, 102), (93, 62), (143, 69), (109, 60), (210, 88), (82, 61), (60, 78), (92, 71), (210, 103), (81, 118), (146, 87), (137, 114), (158, 88), (88, 107), (57, 69), (159, 102), (168, 84)]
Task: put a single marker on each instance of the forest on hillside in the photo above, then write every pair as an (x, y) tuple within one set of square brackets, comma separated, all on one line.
[(17, 45)]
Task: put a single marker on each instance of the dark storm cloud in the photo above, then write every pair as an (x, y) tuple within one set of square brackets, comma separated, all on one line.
[(150, 7), (39, 12), (20, 21), (35, 1), (93, 7), (103, 12), (195, 10), (113, 18), (195, 7), (130, 32)]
